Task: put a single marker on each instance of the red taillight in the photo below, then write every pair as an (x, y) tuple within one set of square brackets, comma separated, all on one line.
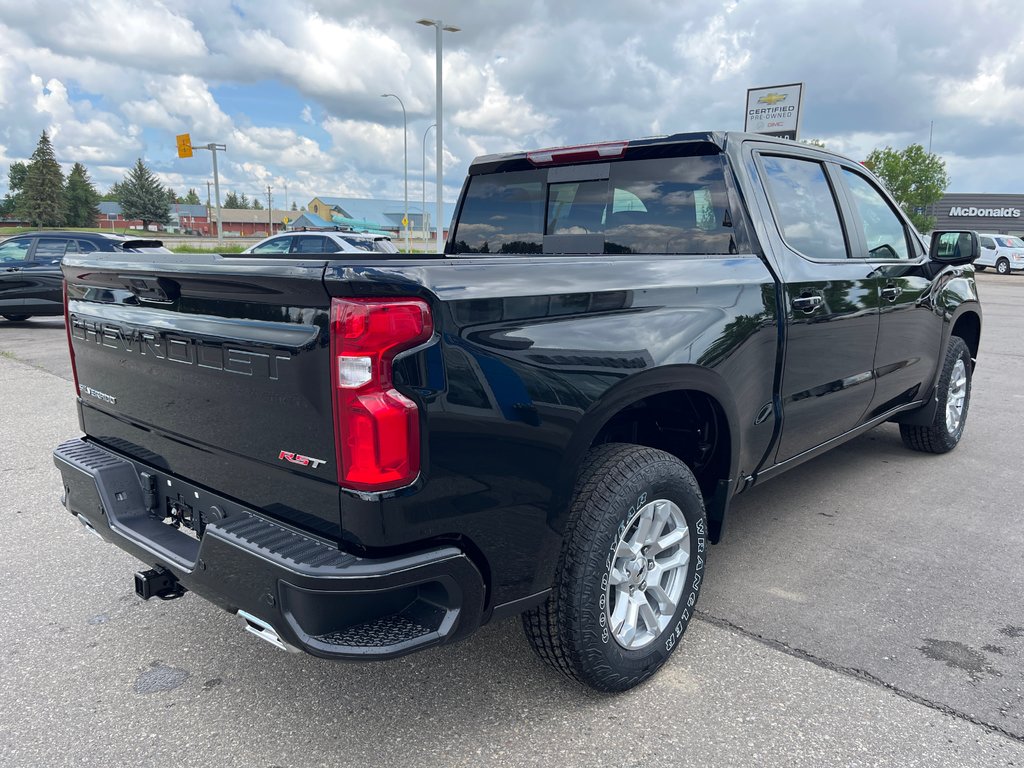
[(67, 328), (376, 428), (577, 154)]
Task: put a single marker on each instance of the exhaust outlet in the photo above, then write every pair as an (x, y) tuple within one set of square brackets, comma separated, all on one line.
[(264, 631)]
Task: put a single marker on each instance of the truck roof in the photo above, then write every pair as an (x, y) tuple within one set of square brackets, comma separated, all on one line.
[(649, 146)]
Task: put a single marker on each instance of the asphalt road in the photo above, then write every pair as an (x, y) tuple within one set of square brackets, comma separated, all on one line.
[(864, 609)]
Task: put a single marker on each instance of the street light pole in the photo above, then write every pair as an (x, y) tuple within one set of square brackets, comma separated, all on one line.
[(405, 144), (423, 210), (216, 182), (440, 27)]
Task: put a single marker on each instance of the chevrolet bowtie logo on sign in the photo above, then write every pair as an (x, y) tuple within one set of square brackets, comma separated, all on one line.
[(771, 99)]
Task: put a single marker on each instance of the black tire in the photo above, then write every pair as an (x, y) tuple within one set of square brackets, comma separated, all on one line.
[(571, 630), (938, 437), (1003, 267), (980, 267), (17, 318)]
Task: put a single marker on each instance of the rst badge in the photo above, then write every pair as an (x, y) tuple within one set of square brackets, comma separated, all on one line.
[(298, 458)]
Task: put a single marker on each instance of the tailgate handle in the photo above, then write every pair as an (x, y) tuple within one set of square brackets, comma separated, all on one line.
[(161, 290)]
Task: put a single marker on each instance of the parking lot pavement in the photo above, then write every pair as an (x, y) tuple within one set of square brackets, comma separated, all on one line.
[(864, 609)]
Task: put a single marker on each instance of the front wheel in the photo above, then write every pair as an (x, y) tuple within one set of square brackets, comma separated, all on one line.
[(630, 570), (17, 318), (954, 397), (1003, 267)]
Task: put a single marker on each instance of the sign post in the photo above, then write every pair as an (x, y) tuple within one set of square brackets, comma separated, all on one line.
[(775, 110)]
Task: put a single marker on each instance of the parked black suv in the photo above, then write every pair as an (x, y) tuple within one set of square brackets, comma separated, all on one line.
[(30, 276)]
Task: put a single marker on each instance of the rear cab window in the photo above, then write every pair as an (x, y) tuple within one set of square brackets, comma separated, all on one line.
[(672, 205), (805, 207)]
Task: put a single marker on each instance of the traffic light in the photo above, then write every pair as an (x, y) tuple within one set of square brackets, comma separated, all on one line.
[(184, 145)]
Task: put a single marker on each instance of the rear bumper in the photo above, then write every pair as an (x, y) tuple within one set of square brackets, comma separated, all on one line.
[(315, 597)]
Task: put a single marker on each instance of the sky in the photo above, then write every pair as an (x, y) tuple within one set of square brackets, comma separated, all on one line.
[(294, 88)]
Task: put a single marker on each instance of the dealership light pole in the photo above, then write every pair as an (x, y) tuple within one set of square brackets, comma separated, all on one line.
[(440, 27), (426, 231), (405, 144)]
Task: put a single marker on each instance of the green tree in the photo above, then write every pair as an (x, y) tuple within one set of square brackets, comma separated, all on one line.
[(294, 206), (914, 177), (192, 198), (112, 195), (15, 184), (243, 201), (232, 201), (143, 197), (814, 143), (42, 198), (172, 196), (256, 204), (81, 200)]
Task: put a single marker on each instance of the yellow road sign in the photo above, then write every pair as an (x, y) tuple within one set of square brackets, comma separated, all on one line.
[(405, 222), (184, 145)]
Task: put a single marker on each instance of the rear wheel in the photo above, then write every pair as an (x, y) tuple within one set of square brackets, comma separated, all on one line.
[(630, 570), (954, 397), (17, 318), (1003, 267)]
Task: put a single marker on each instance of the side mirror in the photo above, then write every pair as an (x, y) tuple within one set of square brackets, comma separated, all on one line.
[(954, 248)]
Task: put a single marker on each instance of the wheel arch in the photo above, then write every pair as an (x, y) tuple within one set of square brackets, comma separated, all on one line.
[(667, 400), (967, 325)]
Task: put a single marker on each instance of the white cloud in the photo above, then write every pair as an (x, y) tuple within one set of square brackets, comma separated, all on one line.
[(115, 80)]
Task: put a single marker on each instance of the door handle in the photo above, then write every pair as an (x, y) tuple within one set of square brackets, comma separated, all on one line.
[(13, 269), (807, 303), (891, 292)]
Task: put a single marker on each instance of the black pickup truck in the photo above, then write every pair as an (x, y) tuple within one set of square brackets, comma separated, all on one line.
[(366, 456)]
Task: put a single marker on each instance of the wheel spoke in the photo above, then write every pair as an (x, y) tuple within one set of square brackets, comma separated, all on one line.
[(615, 576), (679, 560), (629, 627), (670, 539), (622, 601), (666, 605), (648, 614), (624, 550), (643, 527)]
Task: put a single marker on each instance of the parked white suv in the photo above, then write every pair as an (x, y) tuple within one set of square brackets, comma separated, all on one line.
[(1004, 252), (314, 241)]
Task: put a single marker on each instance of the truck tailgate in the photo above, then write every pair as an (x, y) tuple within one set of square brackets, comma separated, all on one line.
[(217, 368)]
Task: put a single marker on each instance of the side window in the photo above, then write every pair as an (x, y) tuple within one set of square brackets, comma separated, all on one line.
[(883, 228), (332, 246), (50, 249), (308, 244), (988, 242), (805, 207), (85, 246), (14, 252), (277, 245)]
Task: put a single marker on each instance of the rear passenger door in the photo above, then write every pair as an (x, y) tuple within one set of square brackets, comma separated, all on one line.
[(831, 302)]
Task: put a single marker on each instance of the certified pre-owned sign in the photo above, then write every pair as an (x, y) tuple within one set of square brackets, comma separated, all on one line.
[(774, 111)]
